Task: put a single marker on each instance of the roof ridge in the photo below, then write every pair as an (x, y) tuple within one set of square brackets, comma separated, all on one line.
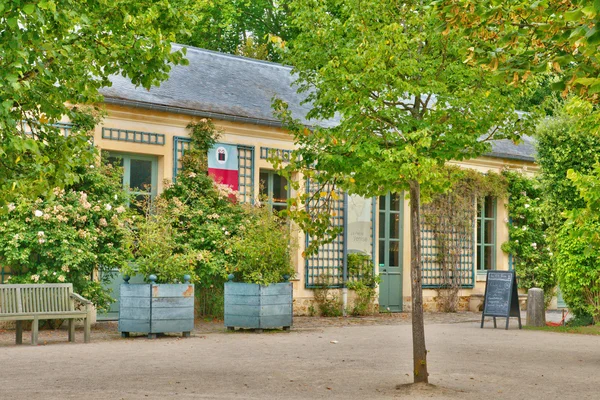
[(227, 55)]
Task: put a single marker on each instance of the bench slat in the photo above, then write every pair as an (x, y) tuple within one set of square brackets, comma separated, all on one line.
[(36, 298)]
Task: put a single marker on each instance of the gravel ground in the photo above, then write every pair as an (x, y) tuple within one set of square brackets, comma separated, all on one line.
[(362, 358)]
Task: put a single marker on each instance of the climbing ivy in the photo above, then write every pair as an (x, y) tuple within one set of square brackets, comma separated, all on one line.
[(451, 218), (528, 242)]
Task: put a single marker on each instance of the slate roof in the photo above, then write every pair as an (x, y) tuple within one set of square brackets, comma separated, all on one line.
[(218, 85), (223, 86), (505, 148)]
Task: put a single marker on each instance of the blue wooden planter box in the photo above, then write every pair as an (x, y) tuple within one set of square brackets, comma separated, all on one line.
[(253, 306), (156, 308)]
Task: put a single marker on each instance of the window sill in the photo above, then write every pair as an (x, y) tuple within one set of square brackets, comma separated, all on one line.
[(481, 276)]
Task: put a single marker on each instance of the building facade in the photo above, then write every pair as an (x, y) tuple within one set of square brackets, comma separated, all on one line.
[(147, 131)]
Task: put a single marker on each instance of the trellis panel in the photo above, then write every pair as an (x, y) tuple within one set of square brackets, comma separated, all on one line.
[(284, 155), (432, 272), (125, 135), (328, 262)]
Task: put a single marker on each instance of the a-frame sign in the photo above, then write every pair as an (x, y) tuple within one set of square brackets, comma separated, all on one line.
[(501, 297)]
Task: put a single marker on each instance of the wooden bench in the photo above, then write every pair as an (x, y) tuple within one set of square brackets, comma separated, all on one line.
[(44, 301)]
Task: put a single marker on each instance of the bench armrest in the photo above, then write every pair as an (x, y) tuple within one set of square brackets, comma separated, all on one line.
[(80, 299)]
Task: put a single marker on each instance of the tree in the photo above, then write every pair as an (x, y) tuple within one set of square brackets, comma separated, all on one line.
[(251, 28), (54, 57), (520, 37), (403, 104)]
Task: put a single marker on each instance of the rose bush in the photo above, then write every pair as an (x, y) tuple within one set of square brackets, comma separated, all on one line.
[(73, 235)]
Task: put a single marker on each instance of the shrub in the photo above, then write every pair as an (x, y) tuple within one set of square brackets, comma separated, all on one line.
[(262, 249), (578, 267), (578, 248), (566, 141), (327, 299), (363, 282), (527, 234), (157, 248), (211, 218), (69, 236)]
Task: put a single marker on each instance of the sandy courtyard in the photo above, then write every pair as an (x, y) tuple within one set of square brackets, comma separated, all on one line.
[(367, 362)]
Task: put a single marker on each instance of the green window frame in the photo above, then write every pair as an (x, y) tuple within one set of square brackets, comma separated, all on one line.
[(391, 240), (486, 235), (130, 162), (274, 188)]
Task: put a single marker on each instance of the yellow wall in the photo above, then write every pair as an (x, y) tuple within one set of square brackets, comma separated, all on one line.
[(257, 135)]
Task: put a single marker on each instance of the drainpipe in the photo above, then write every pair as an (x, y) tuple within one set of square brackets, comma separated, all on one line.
[(345, 256)]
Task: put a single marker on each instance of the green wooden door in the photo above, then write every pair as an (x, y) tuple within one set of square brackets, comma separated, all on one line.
[(390, 247)]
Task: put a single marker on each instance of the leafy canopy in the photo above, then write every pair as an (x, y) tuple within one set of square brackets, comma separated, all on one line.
[(251, 28), (520, 37), (54, 56), (404, 101)]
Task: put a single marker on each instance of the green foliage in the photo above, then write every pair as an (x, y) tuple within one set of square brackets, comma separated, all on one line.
[(54, 57), (406, 101), (158, 246), (450, 217), (328, 300), (577, 266), (518, 38), (248, 28), (69, 235), (578, 247), (570, 140), (210, 219), (363, 282), (583, 319), (226, 237), (262, 249), (528, 242)]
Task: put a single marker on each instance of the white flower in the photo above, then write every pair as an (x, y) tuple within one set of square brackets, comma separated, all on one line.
[(41, 240), (524, 228), (11, 206), (38, 213), (550, 254), (65, 268), (108, 207), (226, 233), (16, 237), (91, 166), (534, 245), (61, 278), (527, 206), (102, 222), (517, 241), (40, 233), (116, 197), (120, 209), (35, 278)]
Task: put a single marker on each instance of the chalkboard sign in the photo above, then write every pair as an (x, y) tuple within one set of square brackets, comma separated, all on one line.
[(501, 297)]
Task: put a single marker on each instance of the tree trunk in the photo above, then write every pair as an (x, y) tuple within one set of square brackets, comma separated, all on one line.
[(418, 329)]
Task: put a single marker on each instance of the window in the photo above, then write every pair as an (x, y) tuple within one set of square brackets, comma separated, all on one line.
[(486, 234), (274, 189), (140, 174)]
